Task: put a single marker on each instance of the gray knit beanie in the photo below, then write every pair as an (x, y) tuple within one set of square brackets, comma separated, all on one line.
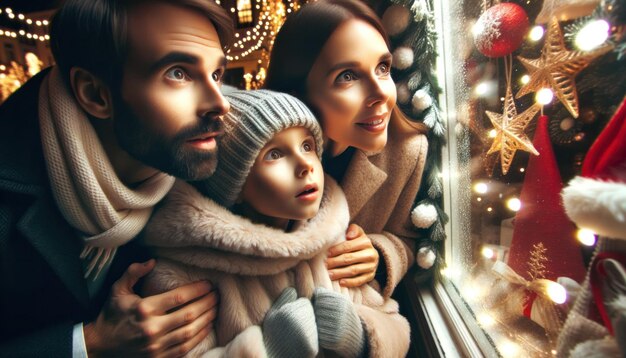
[(253, 120)]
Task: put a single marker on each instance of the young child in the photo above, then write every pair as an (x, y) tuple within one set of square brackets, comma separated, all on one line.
[(259, 229)]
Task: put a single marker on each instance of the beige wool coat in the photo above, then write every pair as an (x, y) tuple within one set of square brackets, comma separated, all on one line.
[(251, 264), (380, 189)]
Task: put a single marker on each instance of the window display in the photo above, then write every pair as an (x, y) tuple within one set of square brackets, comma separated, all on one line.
[(529, 86)]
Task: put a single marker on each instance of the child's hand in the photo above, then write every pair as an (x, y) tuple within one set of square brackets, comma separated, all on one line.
[(338, 325), (289, 328), (353, 262)]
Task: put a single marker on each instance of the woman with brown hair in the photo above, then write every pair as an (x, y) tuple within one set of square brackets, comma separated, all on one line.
[(334, 55)]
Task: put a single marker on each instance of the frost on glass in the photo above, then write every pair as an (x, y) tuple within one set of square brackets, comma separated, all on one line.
[(515, 139)]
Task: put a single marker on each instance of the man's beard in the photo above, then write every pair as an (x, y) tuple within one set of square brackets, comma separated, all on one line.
[(170, 155)]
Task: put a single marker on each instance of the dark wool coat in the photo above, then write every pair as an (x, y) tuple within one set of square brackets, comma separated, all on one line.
[(43, 290)]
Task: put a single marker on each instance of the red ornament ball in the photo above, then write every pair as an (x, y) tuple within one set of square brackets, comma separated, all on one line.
[(501, 29)]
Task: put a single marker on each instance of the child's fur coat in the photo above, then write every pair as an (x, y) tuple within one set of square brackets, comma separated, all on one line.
[(251, 264)]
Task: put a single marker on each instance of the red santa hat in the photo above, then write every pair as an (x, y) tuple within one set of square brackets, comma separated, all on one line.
[(596, 200)]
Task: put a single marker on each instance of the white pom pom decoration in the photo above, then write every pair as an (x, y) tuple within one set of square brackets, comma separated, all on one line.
[(424, 215), (396, 19), (403, 93), (421, 100), (403, 57), (425, 258)]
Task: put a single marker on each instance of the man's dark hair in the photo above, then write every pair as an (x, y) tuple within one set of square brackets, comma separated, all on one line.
[(92, 34)]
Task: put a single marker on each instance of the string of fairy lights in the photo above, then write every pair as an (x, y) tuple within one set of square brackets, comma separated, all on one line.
[(28, 22), (271, 17)]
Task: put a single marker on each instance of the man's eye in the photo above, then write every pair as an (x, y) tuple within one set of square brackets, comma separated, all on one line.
[(273, 155), (217, 76), (177, 74)]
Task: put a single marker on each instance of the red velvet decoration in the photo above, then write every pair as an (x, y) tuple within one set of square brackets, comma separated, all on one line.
[(542, 217), (609, 150), (502, 29)]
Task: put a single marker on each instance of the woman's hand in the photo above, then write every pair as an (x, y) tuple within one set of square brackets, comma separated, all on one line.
[(353, 262)]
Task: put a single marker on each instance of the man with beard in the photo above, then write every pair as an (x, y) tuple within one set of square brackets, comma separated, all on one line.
[(87, 148)]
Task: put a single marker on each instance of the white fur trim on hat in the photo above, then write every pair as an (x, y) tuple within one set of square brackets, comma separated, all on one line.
[(597, 205)]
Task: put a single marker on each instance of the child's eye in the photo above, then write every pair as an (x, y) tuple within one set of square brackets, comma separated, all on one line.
[(273, 154), (307, 147), (177, 74)]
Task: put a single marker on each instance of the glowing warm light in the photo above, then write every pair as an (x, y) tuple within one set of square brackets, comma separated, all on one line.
[(479, 199), (525, 79), (472, 292), (485, 320), (481, 89), (592, 35), (536, 33), (492, 133), (480, 188), (490, 209), (487, 252), (557, 293), (3, 67), (586, 237), (450, 272), (521, 170), (544, 96), (514, 204), (478, 28), (509, 349)]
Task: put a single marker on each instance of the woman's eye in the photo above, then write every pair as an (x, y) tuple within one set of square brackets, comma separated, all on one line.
[(177, 74), (383, 68), (307, 147), (273, 155), (346, 76)]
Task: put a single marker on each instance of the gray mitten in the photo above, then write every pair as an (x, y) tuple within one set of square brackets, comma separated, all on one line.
[(339, 327), (289, 328)]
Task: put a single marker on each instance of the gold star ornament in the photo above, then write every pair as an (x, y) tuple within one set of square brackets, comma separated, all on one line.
[(510, 127), (557, 67)]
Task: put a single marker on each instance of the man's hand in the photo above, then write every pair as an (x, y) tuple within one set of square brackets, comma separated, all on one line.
[(354, 261), (165, 325)]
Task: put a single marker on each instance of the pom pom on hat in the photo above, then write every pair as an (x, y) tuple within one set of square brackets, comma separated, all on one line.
[(396, 19), (425, 258), (402, 57), (255, 117), (424, 215)]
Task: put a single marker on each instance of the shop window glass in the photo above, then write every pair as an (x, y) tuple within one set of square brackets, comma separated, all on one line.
[(528, 87)]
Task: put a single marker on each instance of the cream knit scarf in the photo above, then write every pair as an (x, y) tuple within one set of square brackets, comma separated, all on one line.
[(87, 190)]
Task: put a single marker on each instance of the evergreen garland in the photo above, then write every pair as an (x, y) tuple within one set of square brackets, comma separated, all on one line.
[(419, 79)]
